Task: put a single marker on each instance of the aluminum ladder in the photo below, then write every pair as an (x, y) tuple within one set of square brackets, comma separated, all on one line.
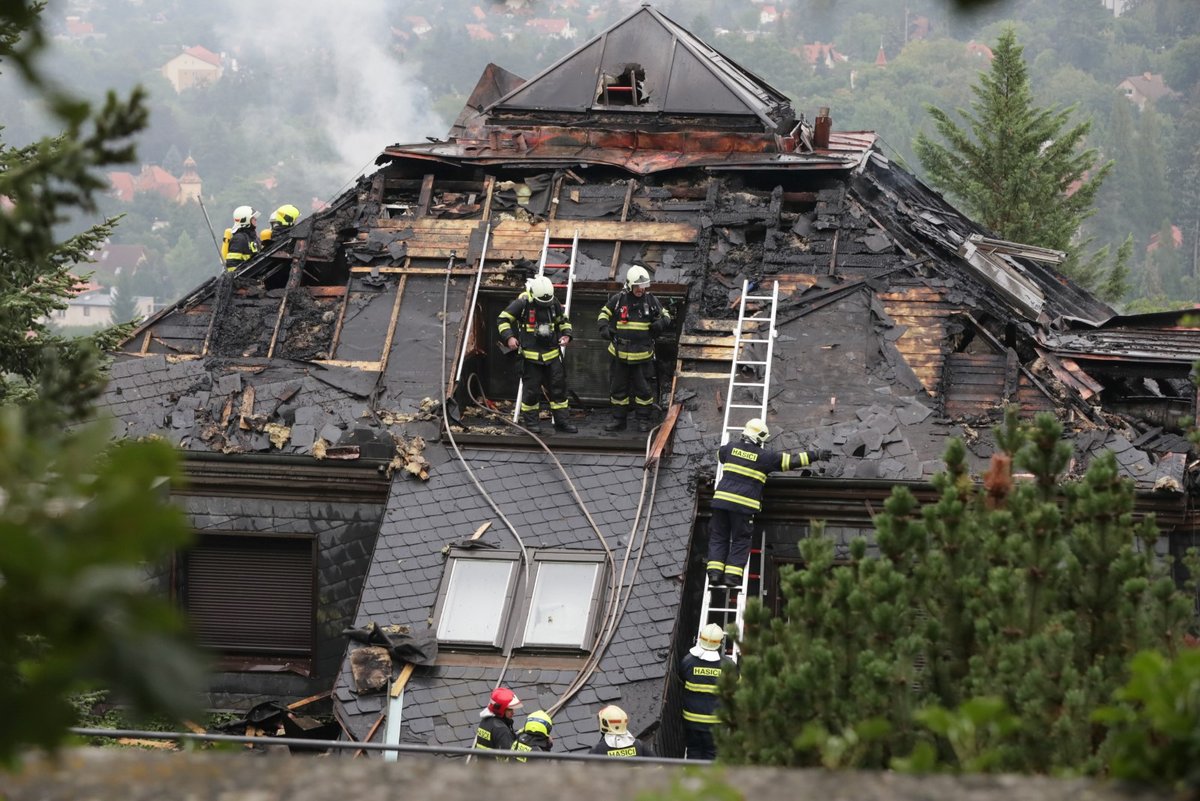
[(557, 248), (740, 407)]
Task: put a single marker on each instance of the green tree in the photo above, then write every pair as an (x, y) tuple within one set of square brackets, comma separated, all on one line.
[(1036, 593), (81, 520), (124, 304), (1018, 169)]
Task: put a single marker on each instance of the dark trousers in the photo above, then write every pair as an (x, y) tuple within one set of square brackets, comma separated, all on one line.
[(550, 375), (729, 537), (700, 742), (622, 376)]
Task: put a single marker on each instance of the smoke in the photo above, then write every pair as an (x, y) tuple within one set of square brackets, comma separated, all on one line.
[(364, 97)]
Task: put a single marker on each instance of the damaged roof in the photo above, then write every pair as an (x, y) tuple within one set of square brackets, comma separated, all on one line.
[(901, 322)]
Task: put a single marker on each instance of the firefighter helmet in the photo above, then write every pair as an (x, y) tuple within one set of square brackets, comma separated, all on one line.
[(539, 722), (613, 720), (285, 215), (541, 290), (711, 636), (503, 699), (756, 431), (243, 216), (638, 276)]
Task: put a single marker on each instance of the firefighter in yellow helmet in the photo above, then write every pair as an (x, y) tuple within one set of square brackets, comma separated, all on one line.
[(243, 240), (536, 325), (282, 218), (738, 496), (701, 670), (615, 739), (631, 320), (534, 735)]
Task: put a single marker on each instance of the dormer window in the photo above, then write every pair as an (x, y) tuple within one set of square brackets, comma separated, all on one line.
[(628, 88)]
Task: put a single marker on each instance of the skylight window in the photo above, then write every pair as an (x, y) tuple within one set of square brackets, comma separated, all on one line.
[(556, 610)]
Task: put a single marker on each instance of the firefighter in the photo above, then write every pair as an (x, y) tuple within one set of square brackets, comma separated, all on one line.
[(243, 241), (536, 325), (282, 218), (745, 465), (496, 721), (701, 669), (615, 739), (534, 735), (630, 320)]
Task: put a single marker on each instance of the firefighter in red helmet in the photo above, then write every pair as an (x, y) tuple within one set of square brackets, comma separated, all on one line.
[(495, 728)]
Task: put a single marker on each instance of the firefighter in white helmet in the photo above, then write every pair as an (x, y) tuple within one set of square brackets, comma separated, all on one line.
[(536, 325), (243, 238), (631, 320), (701, 670), (615, 739), (738, 496)]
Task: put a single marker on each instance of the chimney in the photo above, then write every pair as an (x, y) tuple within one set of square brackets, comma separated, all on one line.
[(821, 128)]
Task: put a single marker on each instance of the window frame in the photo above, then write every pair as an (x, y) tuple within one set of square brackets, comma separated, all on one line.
[(472, 555), (514, 624), (549, 555)]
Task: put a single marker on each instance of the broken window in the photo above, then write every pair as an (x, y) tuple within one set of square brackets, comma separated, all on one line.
[(557, 608), (628, 88)]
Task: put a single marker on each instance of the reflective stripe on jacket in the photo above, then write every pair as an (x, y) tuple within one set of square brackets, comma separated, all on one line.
[(524, 316), (744, 470), (243, 246), (701, 685), (494, 732), (632, 323)]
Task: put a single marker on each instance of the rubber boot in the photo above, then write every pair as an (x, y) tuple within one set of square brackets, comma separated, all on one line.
[(643, 424), (716, 578), (563, 423), (530, 421), (617, 424)]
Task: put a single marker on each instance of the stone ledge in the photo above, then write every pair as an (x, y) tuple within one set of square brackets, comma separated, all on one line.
[(98, 774)]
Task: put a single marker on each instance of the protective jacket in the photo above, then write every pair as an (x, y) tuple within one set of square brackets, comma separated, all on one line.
[(616, 745), (243, 246), (744, 474), (631, 323), (537, 326), (530, 741), (494, 732), (701, 676)]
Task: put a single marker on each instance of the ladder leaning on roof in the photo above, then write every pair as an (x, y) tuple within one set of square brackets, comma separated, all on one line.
[(559, 248), (740, 407)]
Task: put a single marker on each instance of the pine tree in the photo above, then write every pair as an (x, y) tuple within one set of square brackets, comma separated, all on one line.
[(1036, 592), (124, 304), (44, 183), (81, 518), (1018, 169)]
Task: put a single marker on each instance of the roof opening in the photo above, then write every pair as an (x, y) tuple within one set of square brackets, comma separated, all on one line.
[(628, 88)]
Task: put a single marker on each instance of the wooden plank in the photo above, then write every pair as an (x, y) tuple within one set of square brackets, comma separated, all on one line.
[(487, 203), (706, 353), (664, 434), (387, 344), (728, 326), (145, 343), (418, 270), (294, 272), (310, 699), (616, 257), (426, 196), (337, 327), (247, 407), (346, 363), (705, 376), (699, 339), (604, 230)]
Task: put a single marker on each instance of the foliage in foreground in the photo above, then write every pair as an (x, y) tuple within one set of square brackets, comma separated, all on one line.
[(1018, 605)]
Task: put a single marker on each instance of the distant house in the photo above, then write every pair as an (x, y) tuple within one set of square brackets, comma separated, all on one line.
[(114, 260), (919, 28), (767, 15), (479, 33), (478, 13), (1147, 87), (418, 25), (1117, 7), (92, 306), (125, 186), (822, 53), (1176, 240), (77, 30), (558, 27), (190, 185), (195, 66), (881, 57), (980, 50)]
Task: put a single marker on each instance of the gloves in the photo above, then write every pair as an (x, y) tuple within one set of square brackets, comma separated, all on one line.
[(823, 455)]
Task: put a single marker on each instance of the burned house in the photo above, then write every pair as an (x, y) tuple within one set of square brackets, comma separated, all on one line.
[(343, 406)]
